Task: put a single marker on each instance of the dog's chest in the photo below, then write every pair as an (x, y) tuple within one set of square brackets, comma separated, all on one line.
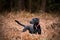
[(32, 28)]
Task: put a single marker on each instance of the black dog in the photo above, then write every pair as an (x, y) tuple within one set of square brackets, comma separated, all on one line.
[(34, 28)]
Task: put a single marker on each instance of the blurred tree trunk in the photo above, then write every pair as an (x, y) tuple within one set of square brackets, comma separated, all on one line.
[(38, 5), (26, 5), (20, 4), (30, 5), (43, 5)]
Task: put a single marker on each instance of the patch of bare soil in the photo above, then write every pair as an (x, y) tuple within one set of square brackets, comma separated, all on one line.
[(10, 30)]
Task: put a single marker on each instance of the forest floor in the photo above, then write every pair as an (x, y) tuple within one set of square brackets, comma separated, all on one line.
[(10, 30)]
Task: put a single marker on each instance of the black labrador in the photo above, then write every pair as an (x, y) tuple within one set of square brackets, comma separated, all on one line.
[(34, 28)]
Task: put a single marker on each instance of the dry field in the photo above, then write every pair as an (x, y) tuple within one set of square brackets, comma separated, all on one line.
[(10, 30)]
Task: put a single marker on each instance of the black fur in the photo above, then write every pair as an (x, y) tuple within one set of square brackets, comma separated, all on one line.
[(34, 28)]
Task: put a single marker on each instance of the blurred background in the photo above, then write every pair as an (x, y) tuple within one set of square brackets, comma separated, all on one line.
[(48, 11), (30, 5)]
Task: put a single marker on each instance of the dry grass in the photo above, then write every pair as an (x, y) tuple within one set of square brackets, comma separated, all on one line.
[(10, 30)]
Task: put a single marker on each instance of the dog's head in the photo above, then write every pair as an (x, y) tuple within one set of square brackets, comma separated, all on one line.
[(34, 21)]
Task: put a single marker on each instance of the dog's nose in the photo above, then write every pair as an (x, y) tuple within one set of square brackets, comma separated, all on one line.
[(31, 22)]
